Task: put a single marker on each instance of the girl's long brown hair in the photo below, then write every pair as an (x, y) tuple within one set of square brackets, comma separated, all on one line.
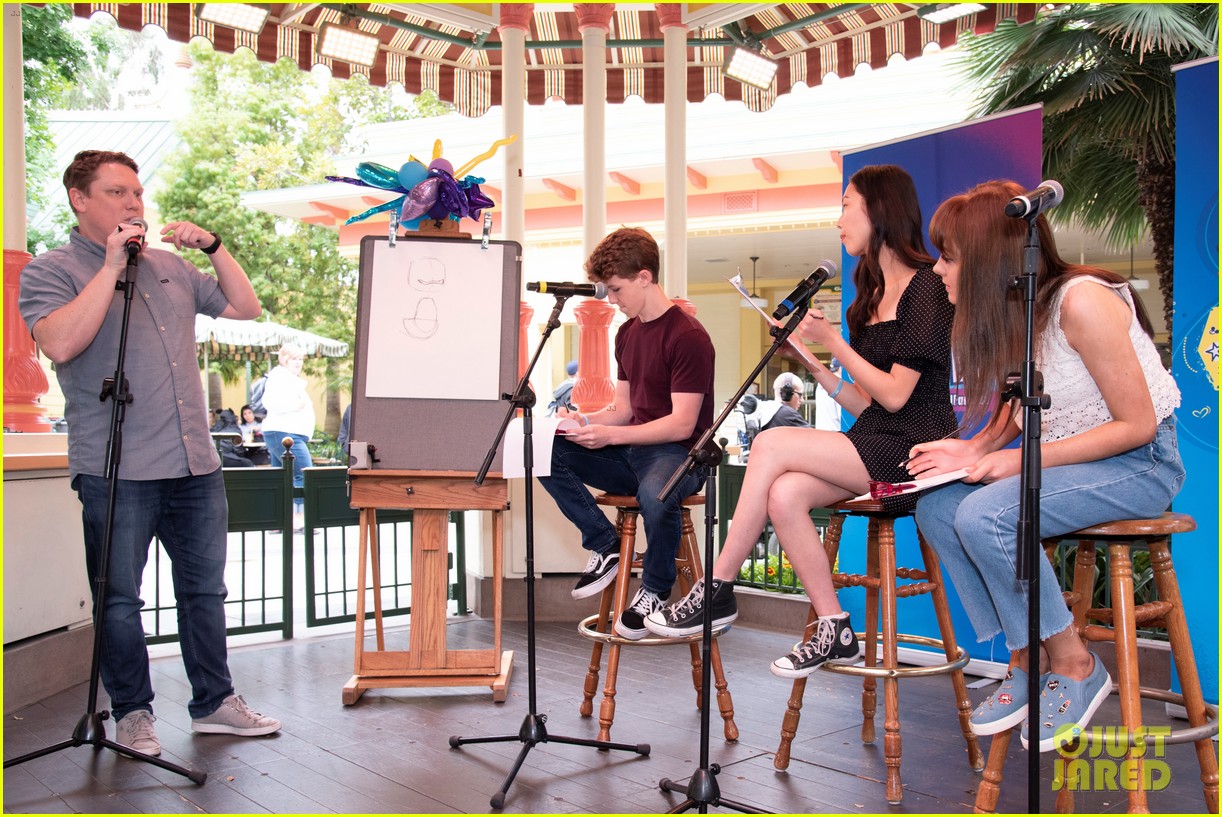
[(989, 333), (895, 219)]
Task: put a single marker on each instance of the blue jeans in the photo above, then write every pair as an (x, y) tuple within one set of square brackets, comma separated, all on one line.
[(191, 518), (974, 529), (631, 470), (301, 454)]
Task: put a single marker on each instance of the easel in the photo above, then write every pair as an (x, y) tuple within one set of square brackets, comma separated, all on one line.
[(431, 495)]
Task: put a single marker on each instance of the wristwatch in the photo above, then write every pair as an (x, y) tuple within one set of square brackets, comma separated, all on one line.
[(214, 246)]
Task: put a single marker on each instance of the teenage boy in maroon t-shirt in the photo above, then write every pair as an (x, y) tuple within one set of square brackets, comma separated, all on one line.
[(663, 403)]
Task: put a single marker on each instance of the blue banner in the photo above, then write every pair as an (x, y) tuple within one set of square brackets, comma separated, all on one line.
[(1194, 347)]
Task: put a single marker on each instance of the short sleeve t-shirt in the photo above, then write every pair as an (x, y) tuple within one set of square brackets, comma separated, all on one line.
[(671, 354)]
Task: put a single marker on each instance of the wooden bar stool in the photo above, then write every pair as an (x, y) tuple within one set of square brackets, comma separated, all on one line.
[(1119, 624), (882, 589), (614, 598)]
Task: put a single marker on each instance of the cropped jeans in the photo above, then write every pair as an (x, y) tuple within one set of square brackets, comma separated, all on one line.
[(191, 518), (974, 529), (641, 471)]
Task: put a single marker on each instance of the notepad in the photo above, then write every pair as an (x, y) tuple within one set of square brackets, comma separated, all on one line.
[(882, 490)]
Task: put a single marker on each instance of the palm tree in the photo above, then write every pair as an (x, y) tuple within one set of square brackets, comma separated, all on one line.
[(1103, 75)]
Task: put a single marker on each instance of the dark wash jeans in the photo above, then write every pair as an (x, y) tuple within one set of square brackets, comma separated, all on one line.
[(191, 517), (631, 470)]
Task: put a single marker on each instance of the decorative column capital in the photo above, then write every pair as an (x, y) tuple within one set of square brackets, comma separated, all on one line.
[(593, 15), (516, 16), (670, 15)]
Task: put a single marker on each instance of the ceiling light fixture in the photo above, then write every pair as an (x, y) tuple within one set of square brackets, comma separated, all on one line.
[(750, 67), (755, 299), (1134, 281), (938, 13), (345, 44), (242, 16)]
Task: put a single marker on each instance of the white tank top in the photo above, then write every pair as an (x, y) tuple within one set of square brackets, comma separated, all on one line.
[(1077, 405)]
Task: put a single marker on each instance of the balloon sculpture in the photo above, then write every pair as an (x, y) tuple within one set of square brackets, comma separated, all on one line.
[(435, 192)]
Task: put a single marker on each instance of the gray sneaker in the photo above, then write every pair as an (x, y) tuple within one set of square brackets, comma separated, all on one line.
[(235, 717), (135, 731)]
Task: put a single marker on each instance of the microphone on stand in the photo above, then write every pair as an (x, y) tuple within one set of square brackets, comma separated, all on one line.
[(136, 243), (567, 289), (1029, 205), (806, 290)]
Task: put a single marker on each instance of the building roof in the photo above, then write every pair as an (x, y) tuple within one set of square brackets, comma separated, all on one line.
[(147, 136)]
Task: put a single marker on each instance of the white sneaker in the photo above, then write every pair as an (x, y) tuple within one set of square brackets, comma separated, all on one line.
[(235, 717), (135, 731)]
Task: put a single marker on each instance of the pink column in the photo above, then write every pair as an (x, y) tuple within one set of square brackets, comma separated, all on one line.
[(525, 313), (593, 389), (24, 379), (687, 306)]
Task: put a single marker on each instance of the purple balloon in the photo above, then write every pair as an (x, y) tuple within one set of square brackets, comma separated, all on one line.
[(421, 199), (442, 164)]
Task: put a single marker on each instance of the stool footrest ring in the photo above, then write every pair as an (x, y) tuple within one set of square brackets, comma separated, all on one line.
[(586, 628), (961, 661)]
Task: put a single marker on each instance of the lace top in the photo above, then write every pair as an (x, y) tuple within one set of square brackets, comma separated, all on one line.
[(1077, 405)]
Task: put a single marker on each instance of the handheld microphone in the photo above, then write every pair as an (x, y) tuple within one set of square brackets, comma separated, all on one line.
[(805, 291), (136, 243), (1029, 205), (567, 289)]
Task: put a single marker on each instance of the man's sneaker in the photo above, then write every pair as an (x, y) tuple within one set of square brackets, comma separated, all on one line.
[(686, 617), (631, 623), (135, 731), (1066, 707), (834, 641), (600, 571), (235, 717)]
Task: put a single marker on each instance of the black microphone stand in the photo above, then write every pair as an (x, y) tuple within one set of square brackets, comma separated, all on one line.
[(701, 789), (90, 729), (533, 731), (1028, 388)]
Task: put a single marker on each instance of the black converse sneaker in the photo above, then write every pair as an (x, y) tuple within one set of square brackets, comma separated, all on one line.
[(600, 571), (631, 623), (834, 641), (686, 617)]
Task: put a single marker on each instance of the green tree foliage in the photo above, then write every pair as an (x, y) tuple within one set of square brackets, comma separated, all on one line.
[(1103, 74), (53, 59), (258, 126)]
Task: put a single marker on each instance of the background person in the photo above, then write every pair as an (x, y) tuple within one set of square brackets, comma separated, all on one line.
[(562, 396), (899, 358), (290, 414), (663, 403), (1108, 444), (170, 482)]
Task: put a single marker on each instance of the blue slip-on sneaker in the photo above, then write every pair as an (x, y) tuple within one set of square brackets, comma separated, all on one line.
[(1066, 706), (1006, 707)]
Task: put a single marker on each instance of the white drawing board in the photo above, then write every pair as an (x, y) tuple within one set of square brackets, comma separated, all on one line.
[(436, 347)]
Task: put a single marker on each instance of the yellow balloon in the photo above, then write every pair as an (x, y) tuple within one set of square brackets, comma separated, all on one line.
[(487, 154), (437, 149)]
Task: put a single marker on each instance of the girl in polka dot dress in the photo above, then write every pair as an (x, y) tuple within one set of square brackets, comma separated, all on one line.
[(899, 363)]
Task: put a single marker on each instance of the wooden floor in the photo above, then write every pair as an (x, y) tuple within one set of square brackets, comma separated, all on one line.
[(390, 752)]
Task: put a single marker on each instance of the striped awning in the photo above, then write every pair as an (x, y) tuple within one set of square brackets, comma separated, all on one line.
[(455, 49), (222, 338)]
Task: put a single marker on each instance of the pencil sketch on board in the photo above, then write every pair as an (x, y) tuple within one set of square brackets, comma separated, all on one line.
[(435, 321)]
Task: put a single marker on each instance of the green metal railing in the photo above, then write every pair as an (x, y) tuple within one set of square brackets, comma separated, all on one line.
[(260, 572)]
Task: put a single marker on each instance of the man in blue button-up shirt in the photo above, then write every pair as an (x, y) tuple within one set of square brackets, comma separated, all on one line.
[(169, 480)]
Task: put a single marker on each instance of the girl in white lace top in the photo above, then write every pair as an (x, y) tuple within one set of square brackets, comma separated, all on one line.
[(1108, 446)]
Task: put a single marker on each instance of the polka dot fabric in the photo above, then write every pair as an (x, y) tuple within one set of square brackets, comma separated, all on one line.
[(918, 338)]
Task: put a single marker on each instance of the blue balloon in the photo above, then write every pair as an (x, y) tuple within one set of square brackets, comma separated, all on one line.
[(411, 174)]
